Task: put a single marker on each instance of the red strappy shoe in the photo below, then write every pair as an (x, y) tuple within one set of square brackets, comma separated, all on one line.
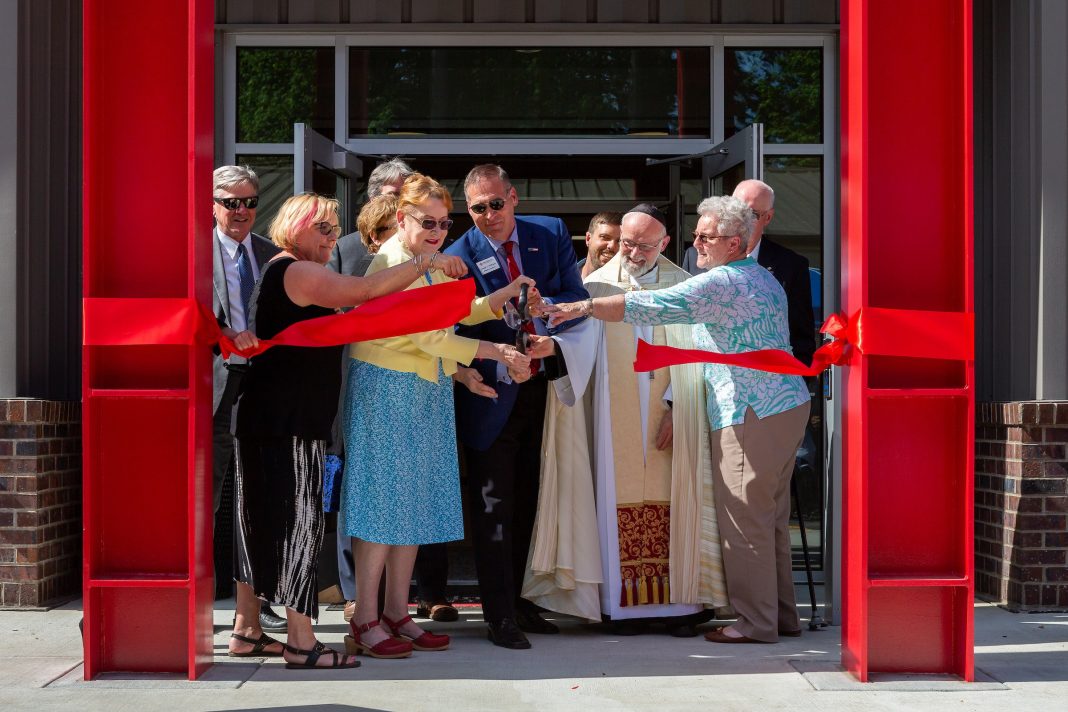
[(428, 642), (389, 648)]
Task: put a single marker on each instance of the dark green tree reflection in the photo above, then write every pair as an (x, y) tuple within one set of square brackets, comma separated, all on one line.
[(611, 91), (781, 88), (280, 86)]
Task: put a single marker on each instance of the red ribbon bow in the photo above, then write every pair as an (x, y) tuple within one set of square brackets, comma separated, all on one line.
[(871, 331)]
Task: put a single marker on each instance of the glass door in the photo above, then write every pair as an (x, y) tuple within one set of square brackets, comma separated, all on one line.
[(321, 166)]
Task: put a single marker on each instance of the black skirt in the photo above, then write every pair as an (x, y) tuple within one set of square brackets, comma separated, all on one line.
[(279, 504)]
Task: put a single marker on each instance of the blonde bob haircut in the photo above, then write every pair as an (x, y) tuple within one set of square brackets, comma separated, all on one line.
[(419, 188), (376, 211), (297, 214)]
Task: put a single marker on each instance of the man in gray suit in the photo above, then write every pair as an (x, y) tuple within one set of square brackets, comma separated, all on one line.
[(238, 259)]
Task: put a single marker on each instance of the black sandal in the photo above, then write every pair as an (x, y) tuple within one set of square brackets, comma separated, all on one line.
[(312, 657), (258, 646)]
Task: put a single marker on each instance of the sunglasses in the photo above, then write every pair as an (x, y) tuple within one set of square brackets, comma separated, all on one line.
[(232, 203), (431, 223), (326, 228), (480, 208)]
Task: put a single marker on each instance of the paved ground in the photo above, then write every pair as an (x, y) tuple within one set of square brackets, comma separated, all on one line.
[(1022, 662)]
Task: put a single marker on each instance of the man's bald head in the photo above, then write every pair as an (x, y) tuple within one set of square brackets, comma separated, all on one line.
[(642, 238), (760, 198)]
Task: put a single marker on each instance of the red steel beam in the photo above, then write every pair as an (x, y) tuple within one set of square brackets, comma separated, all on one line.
[(908, 422), (147, 155)]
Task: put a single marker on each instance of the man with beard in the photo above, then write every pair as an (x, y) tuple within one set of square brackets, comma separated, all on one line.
[(602, 242), (626, 526)]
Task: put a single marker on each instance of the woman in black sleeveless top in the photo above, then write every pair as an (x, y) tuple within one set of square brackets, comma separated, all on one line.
[(288, 401)]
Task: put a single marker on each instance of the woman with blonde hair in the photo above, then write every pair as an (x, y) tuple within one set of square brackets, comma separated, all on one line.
[(286, 407), (397, 496), (377, 221)]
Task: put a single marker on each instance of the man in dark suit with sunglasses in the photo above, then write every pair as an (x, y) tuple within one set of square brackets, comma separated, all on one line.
[(238, 258), (501, 436)]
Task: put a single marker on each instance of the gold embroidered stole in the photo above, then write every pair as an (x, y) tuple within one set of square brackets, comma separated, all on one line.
[(642, 473)]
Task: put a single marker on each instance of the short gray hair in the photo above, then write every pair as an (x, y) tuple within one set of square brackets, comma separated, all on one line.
[(386, 173), (486, 171), (732, 216), (229, 177)]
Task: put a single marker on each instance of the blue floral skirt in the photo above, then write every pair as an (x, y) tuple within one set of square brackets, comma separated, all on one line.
[(402, 480)]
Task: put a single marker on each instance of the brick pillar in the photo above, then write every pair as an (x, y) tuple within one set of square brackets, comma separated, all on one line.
[(40, 501), (1021, 505)]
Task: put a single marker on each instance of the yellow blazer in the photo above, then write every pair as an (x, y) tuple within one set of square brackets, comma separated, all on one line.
[(420, 353)]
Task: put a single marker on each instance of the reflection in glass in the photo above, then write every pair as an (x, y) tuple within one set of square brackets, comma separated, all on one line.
[(276, 184), (333, 185), (550, 91), (280, 86), (781, 88), (798, 185)]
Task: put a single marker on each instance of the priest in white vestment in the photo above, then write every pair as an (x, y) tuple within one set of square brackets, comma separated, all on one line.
[(626, 526)]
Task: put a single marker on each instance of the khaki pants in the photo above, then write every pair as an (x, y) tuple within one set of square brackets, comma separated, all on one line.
[(753, 464)]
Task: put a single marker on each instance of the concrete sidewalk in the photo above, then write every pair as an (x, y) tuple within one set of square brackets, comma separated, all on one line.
[(1021, 660)]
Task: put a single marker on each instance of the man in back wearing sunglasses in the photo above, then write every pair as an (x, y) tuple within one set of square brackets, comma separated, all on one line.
[(501, 437), (238, 257)]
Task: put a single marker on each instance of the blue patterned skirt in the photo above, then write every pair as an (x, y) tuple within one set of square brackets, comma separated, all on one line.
[(402, 481)]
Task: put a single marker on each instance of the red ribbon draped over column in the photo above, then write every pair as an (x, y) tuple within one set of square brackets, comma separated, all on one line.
[(137, 322), (872, 331)]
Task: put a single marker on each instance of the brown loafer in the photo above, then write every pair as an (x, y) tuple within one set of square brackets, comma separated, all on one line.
[(716, 635), (790, 633), (442, 611)]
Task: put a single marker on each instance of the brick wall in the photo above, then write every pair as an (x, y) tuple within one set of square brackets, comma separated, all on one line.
[(1021, 504), (40, 501)]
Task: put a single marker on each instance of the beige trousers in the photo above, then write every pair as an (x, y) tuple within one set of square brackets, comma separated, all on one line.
[(753, 463)]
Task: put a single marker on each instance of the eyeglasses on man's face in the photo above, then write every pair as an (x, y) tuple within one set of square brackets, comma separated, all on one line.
[(233, 203), (630, 246), (326, 229), (430, 223), (495, 205), (758, 214)]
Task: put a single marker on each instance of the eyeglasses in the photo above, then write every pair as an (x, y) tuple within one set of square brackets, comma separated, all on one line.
[(699, 237), (480, 208), (326, 228), (430, 223), (384, 228), (758, 214), (629, 245), (232, 203)]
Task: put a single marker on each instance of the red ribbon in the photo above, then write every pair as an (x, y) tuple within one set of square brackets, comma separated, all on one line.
[(138, 322), (871, 331)]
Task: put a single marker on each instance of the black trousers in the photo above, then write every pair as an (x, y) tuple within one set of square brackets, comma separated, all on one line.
[(221, 439), (222, 459), (503, 483)]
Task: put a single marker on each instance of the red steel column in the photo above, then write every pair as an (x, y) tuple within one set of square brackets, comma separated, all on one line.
[(147, 150), (907, 245)]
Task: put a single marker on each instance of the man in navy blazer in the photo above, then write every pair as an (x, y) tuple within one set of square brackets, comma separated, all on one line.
[(501, 436)]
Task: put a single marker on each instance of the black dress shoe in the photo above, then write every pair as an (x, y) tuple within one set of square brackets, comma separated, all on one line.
[(531, 622), (627, 628), (506, 634), (271, 622), (683, 630)]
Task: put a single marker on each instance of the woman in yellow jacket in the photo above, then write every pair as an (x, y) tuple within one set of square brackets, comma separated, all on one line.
[(401, 486)]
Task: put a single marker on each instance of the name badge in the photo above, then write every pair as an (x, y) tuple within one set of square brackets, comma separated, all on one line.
[(488, 265)]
